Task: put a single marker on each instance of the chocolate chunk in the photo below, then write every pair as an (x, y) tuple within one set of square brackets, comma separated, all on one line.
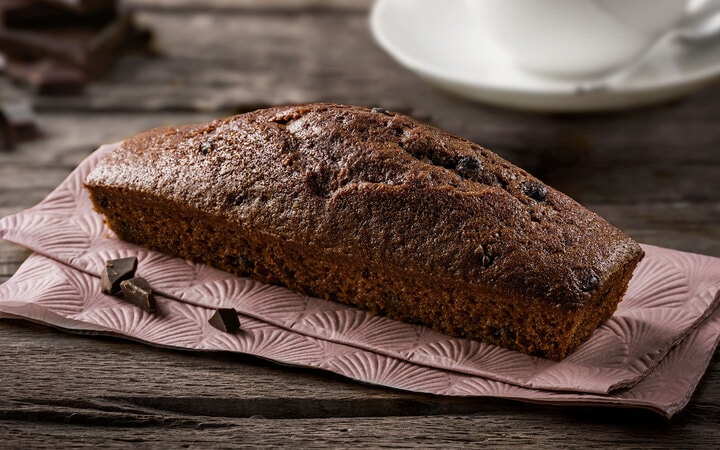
[(486, 261), (225, 319), (319, 181), (116, 271), (534, 190), (508, 333), (468, 163), (589, 283), (377, 109), (206, 147), (468, 166), (486, 255), (242, 263), (138, 292), (390, 298), (235, 199)]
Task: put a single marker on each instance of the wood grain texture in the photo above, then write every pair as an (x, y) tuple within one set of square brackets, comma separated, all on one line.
[(110, 390), (653, 172)]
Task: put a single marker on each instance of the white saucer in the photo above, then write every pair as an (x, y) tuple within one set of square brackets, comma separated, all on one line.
[(436, 40)]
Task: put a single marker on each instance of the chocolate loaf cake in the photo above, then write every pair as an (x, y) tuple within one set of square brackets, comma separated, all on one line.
[(377, 210)]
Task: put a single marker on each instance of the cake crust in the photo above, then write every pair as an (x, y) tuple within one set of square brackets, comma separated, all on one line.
[(377, 210)]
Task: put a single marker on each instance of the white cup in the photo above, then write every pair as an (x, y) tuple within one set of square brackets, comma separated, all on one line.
[(580, 38)]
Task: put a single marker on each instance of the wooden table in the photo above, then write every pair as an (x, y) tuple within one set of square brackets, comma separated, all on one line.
[(653, 172)]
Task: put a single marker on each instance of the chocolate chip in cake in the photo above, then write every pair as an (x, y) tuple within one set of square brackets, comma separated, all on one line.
[(242, 263), (589, 283), (391, 298), (469, 163), (115, 272), (508, 333), (486, 255), (137, 291), (235, 199), (380, 110), (206, 147), (319, 180), (467, 166), (226, 320), (533, 189)]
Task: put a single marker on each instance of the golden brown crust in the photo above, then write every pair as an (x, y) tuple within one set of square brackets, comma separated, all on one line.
[(378, 210)]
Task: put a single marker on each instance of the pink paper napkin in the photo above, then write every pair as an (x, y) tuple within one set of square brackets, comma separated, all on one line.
[(665, 324)]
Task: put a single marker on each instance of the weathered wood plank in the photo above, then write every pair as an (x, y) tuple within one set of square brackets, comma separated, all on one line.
[(496, 431), (11, 257), (128, 390), (235, 59), (691, 227), (276, 6), (652, 172)]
